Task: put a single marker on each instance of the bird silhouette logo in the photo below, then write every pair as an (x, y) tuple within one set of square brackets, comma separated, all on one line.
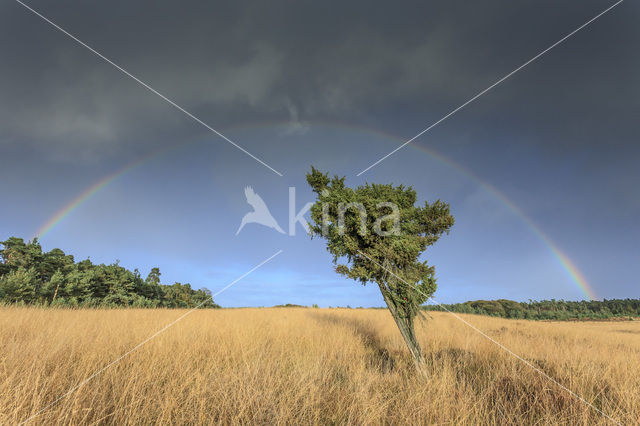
[(260, 213)]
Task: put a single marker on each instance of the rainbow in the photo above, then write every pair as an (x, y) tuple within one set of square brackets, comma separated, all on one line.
[(95, 188), (572, 270), (576, 276), (80, 199)]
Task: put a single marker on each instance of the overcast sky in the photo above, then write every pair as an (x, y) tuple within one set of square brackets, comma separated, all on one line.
[(338, 86)]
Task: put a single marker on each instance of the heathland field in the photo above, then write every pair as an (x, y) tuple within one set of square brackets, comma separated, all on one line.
[(296, 365)]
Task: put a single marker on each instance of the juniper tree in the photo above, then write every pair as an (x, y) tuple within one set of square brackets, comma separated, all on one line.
[(376, 233)]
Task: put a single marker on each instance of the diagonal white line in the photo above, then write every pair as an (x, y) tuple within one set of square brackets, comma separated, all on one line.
[(162, 330), (491, 87), (542, 373), (145, 85)]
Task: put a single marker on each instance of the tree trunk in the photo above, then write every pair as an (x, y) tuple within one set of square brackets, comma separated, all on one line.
[(55, 293), (406, 327)]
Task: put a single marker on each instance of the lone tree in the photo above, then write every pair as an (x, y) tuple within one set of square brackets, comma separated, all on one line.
[(376, 233)]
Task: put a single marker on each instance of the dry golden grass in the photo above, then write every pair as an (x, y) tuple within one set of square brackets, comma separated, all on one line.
[(301, 366)]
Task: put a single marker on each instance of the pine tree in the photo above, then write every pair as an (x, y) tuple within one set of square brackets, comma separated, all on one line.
[(19, 285), (51, 289)]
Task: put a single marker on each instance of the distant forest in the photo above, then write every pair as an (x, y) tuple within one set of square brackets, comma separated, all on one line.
[(546, 309), (30, 277)]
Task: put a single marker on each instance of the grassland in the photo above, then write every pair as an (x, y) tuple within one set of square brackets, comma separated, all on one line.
[(295, 365)]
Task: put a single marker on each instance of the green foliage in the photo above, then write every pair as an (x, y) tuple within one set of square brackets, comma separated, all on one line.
[(370, 249), (19, 285), (289, 305), (558, 310), (29, 276), (377, 233)]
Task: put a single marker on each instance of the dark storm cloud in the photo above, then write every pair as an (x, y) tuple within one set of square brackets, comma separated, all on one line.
[(398, 67)]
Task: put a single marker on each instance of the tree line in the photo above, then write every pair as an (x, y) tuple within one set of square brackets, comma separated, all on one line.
[(30, 276), (546, 309)]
